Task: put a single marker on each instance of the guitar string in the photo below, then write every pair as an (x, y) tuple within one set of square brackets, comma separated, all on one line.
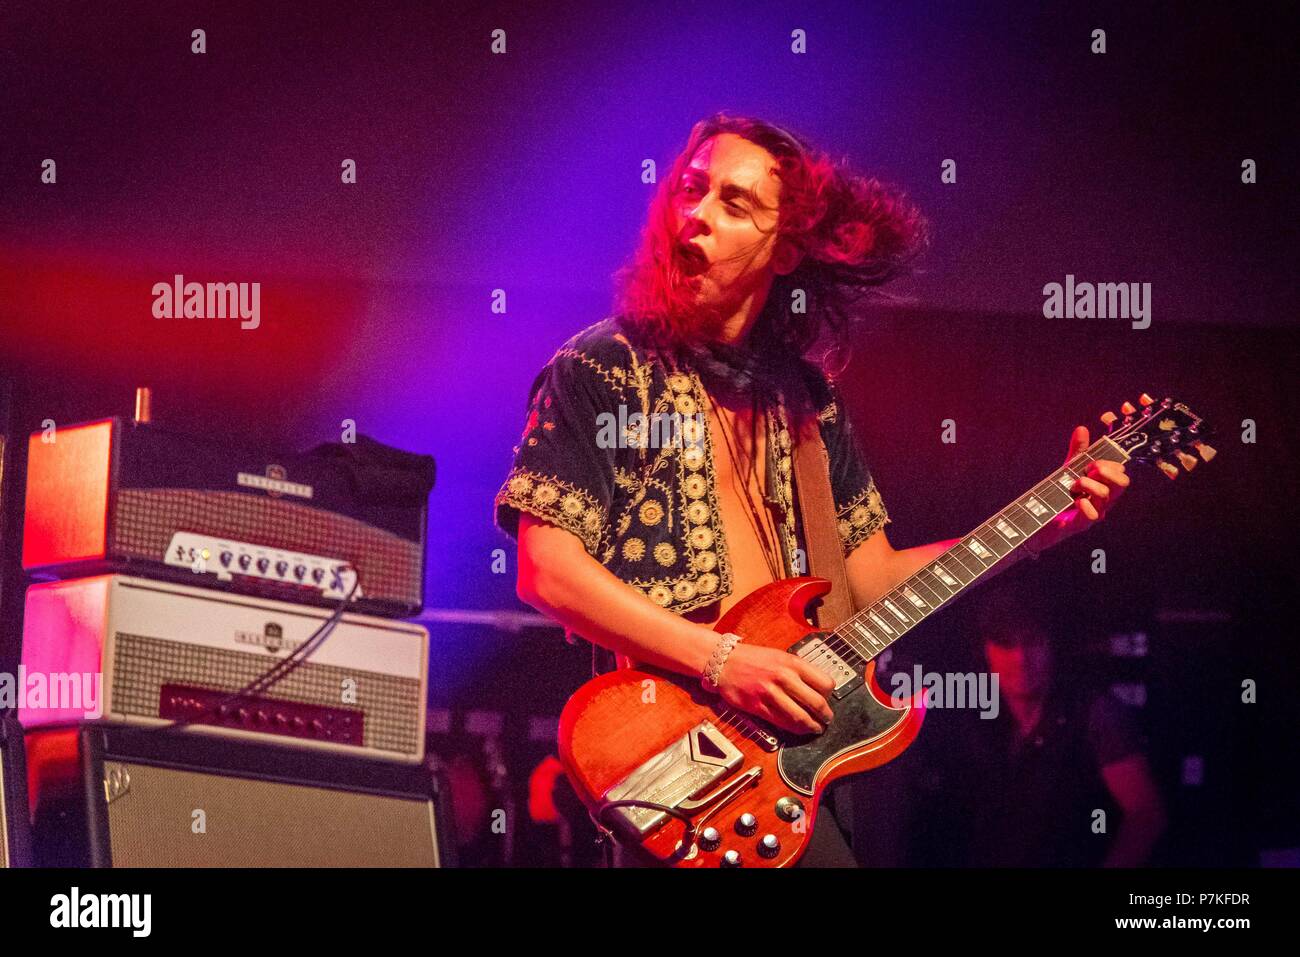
[(1076, 467)]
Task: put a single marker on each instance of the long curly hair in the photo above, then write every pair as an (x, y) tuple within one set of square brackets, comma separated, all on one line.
[(855, 234)]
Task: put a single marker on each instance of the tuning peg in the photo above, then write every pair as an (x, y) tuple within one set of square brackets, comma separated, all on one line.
[(1108, 420), (1145, 399), (1205, 451), (1189, 461), (1127, 408), (1168, 468)]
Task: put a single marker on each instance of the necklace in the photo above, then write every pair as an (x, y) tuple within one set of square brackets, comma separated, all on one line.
[(756, 516)]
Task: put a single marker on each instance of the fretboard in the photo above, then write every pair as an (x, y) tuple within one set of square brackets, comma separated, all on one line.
[(874, 629)]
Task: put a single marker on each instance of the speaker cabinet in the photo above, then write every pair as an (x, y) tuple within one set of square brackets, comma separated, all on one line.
[(113, 797)]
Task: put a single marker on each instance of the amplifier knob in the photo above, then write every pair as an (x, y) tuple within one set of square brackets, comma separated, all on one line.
[(281, 720), (281, 568), (731, 859), (244, 562), (262, 717), (263, 564), (317, 726), (299, 572), (710, 839), (317, 575), (746, 824), (226, 558), (769, 846), (244, 715), (299, 724)]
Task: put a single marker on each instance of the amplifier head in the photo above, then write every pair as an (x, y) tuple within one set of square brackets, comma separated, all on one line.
[(342, 519)]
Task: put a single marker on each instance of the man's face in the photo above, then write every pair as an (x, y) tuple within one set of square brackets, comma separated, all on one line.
[(1025, 668), (725, 207)]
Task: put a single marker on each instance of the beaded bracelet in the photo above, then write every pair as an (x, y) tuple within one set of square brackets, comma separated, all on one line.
[(713, 670)]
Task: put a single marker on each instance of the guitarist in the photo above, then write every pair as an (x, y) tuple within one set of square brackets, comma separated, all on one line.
[(640, 537)]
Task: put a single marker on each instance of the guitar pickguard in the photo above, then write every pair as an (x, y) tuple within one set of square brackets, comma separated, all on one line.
[(859, 718)]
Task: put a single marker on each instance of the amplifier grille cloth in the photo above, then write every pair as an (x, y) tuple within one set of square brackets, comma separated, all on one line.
[(255, 823), (389, 566), (143, 665)]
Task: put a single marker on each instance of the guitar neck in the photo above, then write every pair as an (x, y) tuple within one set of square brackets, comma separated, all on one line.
[(874, 629)]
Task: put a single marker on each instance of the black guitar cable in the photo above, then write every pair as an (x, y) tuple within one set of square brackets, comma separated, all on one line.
[(281, 670)]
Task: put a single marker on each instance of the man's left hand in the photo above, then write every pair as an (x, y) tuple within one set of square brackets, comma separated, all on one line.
[(1095, 493)]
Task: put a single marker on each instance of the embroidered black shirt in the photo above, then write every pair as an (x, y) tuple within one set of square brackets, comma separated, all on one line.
[(616, 450)]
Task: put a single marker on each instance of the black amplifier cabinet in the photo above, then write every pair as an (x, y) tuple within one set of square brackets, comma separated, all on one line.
[(114, 495), (114, 797)]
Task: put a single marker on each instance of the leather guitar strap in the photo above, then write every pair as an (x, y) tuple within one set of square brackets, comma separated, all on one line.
[(821, 535), (817, 515)]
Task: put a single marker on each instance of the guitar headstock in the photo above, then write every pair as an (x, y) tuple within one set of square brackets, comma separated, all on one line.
[(1160, 433)]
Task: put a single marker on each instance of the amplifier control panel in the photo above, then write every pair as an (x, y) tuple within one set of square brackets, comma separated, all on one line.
[(226, 558)]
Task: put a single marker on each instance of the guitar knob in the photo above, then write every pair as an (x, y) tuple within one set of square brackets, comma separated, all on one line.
[(710, 839), (731, 859), (1204, 451), (746, 824), (769, 846), (1168, 468), (789, 809)]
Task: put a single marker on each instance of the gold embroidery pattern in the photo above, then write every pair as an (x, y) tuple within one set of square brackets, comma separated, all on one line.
[(778, 431), (697, 498), (557, 502), (660, 594), (634, 549), (665, 554), (651, 513), (701, 536), (861, 517)]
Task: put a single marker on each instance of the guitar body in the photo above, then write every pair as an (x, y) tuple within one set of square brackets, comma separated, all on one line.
[(649, 751), (652, 735)]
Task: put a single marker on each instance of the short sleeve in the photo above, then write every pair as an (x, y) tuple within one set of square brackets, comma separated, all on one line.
[(1113, 732), (859, 510), (563, 470)]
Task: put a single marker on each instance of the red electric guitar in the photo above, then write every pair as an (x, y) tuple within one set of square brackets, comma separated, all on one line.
[(688, 781)]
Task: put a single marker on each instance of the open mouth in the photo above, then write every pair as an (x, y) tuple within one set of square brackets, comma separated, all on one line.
[(694, 262)]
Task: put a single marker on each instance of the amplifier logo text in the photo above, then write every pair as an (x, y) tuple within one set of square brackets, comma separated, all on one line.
[(271, 638), (103, 910), (273, 483), (179, 299)]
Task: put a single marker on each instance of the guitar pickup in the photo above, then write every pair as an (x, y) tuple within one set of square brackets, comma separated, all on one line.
[(814, 650), (685, 770)]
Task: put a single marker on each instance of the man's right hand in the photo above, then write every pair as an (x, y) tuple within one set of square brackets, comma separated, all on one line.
[(778, 687)]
